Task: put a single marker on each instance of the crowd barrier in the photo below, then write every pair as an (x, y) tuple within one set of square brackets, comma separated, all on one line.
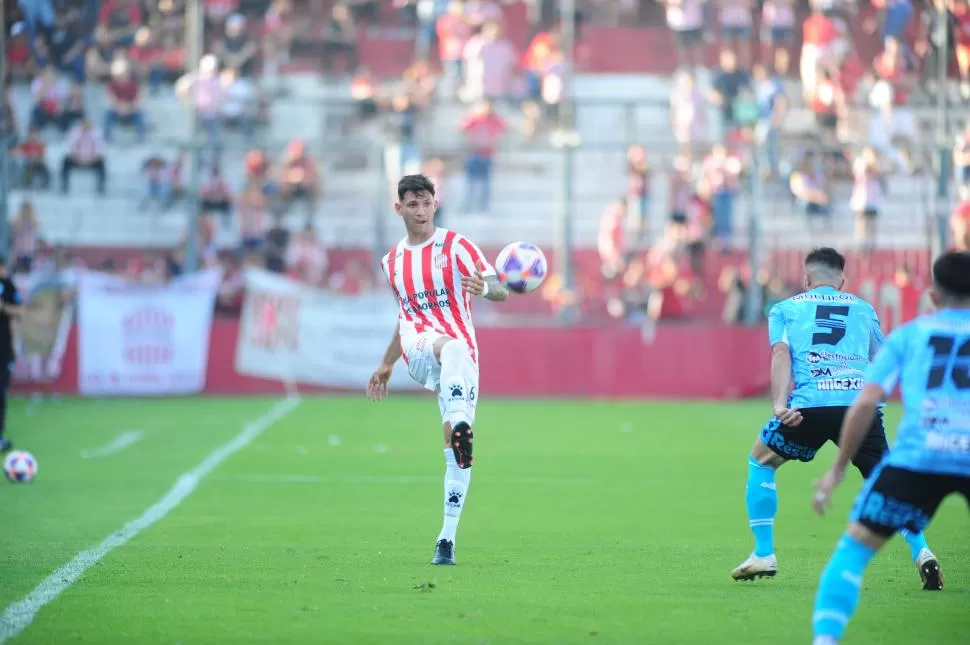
[(128, 339), (681, 362)]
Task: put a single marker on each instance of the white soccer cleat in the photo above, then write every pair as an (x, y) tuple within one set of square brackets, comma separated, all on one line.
[(930, 573), (756, 567)]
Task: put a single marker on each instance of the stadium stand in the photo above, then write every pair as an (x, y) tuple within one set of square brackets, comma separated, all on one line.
[(343, 67)]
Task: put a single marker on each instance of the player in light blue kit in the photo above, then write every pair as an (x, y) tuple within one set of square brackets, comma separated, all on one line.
[(821, 343), (930, 359)]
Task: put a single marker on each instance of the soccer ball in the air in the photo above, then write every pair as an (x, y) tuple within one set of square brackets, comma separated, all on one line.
[(20, 467), (521, 267)]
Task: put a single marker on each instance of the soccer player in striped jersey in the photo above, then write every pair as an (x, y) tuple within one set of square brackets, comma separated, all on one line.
[(433, 273)]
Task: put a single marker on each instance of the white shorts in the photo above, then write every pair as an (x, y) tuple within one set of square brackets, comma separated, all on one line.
[(418, 351)]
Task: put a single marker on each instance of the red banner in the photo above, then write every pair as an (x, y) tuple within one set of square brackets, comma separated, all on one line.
[(702, 361)]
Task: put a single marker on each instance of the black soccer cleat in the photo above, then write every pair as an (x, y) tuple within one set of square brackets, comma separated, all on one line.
[(5, 445), (444, 552), (461, 444), (931, 574)]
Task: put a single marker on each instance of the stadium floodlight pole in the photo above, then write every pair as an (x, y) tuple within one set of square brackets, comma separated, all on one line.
[(753, 298), (567, 139), (4, 153), (194, 26), (939, 241)]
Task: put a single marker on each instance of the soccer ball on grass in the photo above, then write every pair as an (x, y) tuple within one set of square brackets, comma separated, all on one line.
[(521, 267), (20, 467)]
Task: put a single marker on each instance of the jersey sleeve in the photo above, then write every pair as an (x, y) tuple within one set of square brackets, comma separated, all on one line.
[(777, 325), (469, 256), (885, 368), (876, 337)]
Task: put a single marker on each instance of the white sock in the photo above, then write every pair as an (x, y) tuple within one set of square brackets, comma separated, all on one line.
[(456, 490), (458, 380)]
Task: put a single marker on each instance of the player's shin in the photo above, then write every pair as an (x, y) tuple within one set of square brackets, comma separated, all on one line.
[(840, 587), (456, 490), (761, 498)]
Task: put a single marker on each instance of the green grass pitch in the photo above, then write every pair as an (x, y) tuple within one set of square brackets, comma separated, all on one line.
[(586, 522)]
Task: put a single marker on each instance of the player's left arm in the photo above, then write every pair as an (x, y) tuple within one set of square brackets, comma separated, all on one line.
[(477, 275)]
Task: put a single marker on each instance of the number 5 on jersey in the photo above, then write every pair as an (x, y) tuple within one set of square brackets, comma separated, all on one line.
[(825, 316)]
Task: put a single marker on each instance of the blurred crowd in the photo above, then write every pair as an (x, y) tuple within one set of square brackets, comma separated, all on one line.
[(728, 116), (729, 122)]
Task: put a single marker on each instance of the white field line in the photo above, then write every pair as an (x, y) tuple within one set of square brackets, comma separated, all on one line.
[(376, 479), (122, 441), (19, 615)]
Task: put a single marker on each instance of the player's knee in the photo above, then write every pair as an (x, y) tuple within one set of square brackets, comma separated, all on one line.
[(765, 455), (455, 351)]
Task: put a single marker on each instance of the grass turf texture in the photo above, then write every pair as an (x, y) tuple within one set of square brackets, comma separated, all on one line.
[(585, 522)]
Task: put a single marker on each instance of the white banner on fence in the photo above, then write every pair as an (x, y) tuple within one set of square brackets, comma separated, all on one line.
[(140, 339), (292, 332)]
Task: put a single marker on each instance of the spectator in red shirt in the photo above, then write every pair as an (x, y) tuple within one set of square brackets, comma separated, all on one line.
[(124, 97), (146, 56), (299, 177), (121, 18), (32, 153), (453, 34), (21, 65), (483, 129)]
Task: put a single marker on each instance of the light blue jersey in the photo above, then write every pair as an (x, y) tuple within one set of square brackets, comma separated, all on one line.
[(930, 359), (832, 336)]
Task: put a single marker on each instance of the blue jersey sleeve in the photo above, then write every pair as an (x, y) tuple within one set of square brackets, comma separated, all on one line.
[(777, 325), (876, 337), (884, 369)]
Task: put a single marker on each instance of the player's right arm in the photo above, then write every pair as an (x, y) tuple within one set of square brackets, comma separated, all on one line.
[(781, 367), (377, 384)]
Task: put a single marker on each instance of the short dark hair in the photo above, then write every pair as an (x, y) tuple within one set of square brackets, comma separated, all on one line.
[(414, 184), (827, 257), (951, 275)]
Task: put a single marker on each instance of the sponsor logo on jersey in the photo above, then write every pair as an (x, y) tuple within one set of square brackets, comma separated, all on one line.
[(888, 511), (841, 384), (948, 441), (817, 357), (837, 370), (426, 300)]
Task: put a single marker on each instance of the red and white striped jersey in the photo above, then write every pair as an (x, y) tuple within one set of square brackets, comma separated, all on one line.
[(426, 279)]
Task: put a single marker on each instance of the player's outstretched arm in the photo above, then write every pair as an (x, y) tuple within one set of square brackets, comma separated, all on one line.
[(488, 286), (377, 385)]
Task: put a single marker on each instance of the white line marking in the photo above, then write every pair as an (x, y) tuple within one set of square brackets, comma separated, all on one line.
[(19, 615), (373, 479), (120, 442)]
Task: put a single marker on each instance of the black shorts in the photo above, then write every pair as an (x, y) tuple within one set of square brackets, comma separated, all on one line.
[(818, 426), (896, 498)]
